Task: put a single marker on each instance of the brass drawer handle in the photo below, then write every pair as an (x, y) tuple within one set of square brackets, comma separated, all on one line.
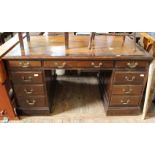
[(31, 102), (130, 79), (97, 66), (127, 91), (28, 79), (125, 102), (2, 113), (24, 64), (132, 64), (62, 66), (28, 91)]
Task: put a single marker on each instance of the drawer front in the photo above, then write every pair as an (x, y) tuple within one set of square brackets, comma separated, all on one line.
[(27, 77), (131, 64), (129, 77), (124, 100), (78, 64), (27, 102), (127, 89), (28, 90), (24, 64)]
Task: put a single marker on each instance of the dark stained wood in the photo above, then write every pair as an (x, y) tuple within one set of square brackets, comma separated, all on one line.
[(117, 100), (33, 111), (24, 64), (31, 102), (127, 89), (107, 48), (78, 64), (132, 64), (27, 90), (113, 111), (27, 77), (45, 54), (129, 77)]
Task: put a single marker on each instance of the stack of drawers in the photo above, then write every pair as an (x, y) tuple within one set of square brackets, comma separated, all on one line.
[(127, 86), (29, 83)]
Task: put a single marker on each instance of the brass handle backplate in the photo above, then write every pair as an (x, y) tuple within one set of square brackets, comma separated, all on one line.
[(127, 91), (132, 64), (24, 64), (130, 79), (31, 102), (60, 66), (125, 102), (96, 66), (28, 79), (28, 91)]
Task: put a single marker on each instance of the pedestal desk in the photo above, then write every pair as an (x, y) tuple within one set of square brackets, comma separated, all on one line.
[(122, 71)]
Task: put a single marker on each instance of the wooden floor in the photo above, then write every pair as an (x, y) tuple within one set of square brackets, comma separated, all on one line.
[(79, 101)]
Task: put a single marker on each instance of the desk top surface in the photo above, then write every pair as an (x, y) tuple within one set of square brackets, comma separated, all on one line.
[(53, 47)]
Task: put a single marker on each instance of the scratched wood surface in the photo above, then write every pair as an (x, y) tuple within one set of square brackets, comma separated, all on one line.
[(53, 46)]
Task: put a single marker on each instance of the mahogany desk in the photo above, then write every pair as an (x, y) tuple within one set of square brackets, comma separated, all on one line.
[(122, 71)]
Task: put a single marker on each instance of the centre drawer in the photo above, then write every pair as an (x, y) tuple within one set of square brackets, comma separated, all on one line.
[(27, 102), (118, 100), (78, 64), (129, 77), (27, 77), (22, 90)]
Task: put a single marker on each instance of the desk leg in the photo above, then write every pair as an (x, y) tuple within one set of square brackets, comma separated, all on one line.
[(66, 40)]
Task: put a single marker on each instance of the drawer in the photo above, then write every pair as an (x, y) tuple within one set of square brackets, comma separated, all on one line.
[(127, 89), (23, 64), (78, 64), (124, 100), (129, 77), (33, 101), (29, 90), (27, 77), (131, 64)]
